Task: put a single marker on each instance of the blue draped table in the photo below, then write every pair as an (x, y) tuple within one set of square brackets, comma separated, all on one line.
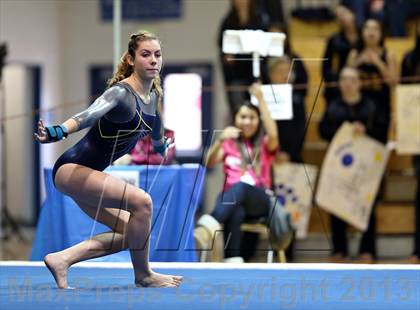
[(176, 192)]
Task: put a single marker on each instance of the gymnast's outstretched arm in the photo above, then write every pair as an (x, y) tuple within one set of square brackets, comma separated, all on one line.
[(106, 102)]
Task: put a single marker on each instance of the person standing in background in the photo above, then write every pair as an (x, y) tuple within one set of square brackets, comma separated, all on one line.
[(338, 48), (378, 70), (352, 106)]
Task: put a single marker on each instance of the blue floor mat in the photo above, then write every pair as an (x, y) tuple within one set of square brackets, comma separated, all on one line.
[(215, 286)]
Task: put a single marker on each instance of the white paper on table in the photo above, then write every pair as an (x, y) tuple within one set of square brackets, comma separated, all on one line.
[(279, 100), (350, 176), (408, 119), (294, 185)]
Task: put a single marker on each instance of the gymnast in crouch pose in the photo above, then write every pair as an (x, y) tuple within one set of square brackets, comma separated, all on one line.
[(127, 111)]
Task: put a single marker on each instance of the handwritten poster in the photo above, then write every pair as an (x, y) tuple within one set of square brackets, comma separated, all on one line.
[(350, 176), (294, 185), (279, 100), (408, 119)]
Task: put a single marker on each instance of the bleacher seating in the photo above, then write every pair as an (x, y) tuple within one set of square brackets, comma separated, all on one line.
[(395, 214)]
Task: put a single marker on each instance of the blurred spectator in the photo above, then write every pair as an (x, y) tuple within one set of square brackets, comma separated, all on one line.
[(237, 69), (377, 68), (247, 150), (410, 69), (354, 107), (143, 154), (310, 10), (274, 10), (410, 72), (412, 9), (290, 69), (359, 8), (393, 13), (338, 48)]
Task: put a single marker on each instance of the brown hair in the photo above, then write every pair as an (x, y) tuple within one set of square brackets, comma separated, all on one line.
[(256, 140), (124, 69)]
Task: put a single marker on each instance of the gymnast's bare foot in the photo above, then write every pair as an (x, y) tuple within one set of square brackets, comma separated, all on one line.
[(58, 267), (158, 280)]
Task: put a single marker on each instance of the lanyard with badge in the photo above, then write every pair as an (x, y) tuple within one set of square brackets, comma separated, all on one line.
[(246, 157), (246, 177)]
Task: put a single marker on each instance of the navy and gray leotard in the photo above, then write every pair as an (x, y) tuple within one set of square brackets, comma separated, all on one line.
[(118, 119)]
